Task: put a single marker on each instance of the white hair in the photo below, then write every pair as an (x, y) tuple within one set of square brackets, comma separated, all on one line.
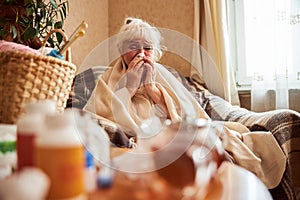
[(134, 28)]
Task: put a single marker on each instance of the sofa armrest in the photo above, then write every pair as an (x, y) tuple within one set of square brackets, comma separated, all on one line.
[(283, 124)]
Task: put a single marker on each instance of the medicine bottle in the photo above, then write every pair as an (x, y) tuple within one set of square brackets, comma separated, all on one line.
[(29, 126), (60, 154)]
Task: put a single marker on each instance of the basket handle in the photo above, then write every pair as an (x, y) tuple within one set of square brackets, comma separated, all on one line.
[(65, 37)]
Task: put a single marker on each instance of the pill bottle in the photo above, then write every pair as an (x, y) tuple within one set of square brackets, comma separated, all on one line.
[(7, 149), (60, 154), (29, 126)]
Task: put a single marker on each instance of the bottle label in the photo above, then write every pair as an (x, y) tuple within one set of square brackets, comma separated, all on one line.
[(65, 168), (25, 150)]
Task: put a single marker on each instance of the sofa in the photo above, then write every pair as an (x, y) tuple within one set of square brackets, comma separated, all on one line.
[(283, 124)]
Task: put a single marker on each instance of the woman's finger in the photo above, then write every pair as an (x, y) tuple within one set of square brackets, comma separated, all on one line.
[(149, 74), (149, 60), (136, 62), (139, 70)]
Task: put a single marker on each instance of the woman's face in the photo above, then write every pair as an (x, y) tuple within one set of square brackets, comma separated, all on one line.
[(134, 47)]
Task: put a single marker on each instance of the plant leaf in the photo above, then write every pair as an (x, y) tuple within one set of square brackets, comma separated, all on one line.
[(51, 42), (43, 13), (62, 15), (42, 5), (66, 6), (29, 11), (48, 23), (2, 21), (40, 17), (38, 27), (64, 9), (14, 31), (58, 25), (26, 2), (3, 32), (29, 33), (24, 21), (59, 38), (54, 4)]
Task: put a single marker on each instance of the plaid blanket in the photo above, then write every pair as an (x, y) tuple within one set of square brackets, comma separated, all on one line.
[(284, 124)]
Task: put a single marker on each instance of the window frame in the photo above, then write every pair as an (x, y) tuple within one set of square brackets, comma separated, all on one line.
[(236, 32)]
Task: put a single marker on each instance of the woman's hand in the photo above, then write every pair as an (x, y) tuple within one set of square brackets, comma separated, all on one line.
[(151, 89), (134, 75), (140, 72), (149, 75), (148, 80), (133, 80)]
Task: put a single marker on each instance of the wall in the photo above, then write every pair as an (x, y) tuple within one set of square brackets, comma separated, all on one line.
[(95, 13), (174, 15), (106, 16)]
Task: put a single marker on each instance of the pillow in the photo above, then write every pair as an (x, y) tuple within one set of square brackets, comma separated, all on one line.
[(83, 86)]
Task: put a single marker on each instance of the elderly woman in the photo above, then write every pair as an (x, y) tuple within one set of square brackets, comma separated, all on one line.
[(137, 88)]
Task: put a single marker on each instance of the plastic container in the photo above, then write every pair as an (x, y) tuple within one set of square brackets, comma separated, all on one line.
[(105, 177), (60, 154), (90, 173), (7, 149), (29, 126)]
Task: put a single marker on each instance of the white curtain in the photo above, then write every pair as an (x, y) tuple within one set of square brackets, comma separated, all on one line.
[(272, 38), (213, 57)]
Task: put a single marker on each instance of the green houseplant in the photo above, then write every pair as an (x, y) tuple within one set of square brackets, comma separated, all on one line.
[(29, 21)]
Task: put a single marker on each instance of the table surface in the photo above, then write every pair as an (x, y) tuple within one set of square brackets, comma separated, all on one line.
[(231, 182)]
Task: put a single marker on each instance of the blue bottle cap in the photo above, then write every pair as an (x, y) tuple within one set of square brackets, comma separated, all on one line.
[(89, 162)]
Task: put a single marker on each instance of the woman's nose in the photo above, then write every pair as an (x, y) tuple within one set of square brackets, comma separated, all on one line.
[(141, 52)]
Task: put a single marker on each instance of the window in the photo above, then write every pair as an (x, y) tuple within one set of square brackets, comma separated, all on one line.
[(264, 37)]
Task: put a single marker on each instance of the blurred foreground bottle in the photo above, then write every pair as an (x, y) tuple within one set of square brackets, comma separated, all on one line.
[(7, 150), (60, 154), (29, 126)]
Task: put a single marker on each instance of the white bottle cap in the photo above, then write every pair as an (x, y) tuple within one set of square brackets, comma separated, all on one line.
[(30, 124), (33, 120), (41, 107), (61, 131)]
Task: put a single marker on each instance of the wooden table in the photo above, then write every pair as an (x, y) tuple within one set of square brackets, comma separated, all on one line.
[(231, 182)]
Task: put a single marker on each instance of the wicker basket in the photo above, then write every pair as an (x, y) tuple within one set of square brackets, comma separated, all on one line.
[(27, 77)]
